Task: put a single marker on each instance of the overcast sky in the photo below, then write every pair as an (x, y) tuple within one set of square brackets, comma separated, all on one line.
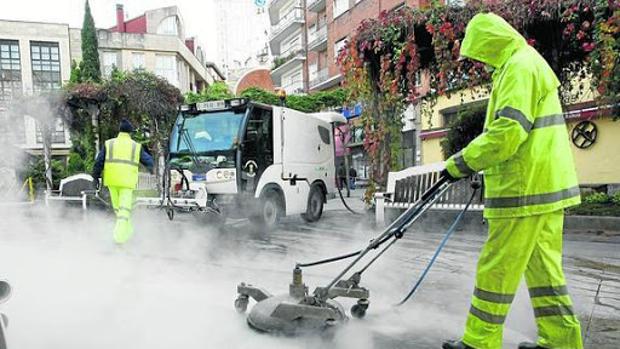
[(198, 15)]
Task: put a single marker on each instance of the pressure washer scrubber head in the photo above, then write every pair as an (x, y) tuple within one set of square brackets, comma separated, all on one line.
[(290, 314)]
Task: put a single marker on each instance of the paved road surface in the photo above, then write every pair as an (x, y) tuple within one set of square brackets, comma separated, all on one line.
[(174, 284)]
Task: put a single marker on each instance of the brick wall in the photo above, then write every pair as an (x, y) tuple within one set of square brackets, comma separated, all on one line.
[(260, 78)]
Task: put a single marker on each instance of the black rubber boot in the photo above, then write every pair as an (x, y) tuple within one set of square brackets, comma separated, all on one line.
[(455, 345), (530, 345)]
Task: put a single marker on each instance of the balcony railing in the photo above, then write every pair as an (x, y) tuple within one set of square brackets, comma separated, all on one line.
[(317, 37), (287, 55), (316, 5), (319, 77), (295, 15), (294, 87)]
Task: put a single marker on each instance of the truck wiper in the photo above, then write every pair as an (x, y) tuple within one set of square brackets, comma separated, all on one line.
[(192, 150)]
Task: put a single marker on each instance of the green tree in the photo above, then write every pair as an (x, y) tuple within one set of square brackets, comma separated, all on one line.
[(90, 67), (214, 92), (150, 102), (76, 73), (467, 126)]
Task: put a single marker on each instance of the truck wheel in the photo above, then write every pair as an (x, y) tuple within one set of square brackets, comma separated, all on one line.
[(314, 210), (269, 211)]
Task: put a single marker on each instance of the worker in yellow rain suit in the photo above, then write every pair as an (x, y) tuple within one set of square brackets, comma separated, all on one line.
[(119, 161), (530, 178)]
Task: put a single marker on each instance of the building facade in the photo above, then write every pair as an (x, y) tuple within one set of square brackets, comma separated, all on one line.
[(156, 42), (591, 130), (306, 36), (36, 57)]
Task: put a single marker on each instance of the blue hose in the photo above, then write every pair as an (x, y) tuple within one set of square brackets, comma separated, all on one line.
[(443, 243)]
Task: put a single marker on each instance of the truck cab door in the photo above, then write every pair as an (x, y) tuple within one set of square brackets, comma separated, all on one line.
[(257, 147)]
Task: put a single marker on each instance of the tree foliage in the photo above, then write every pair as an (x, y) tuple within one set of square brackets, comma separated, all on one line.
[(90, 68), (309, 103), (382, 60), (467, 125), (214, 92), (148, 101)]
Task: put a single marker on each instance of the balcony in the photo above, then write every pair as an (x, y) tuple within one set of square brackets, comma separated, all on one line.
[(287, 25), (317, 40), (323, 81), (292, 58), (275, 6), (316, 5), (294, 87), (318, 77)]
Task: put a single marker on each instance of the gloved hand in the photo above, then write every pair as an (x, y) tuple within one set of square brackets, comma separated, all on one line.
[(445, 174)]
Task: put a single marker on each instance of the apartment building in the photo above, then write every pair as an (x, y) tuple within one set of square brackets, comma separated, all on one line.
[(306, 36), (287, 42), (154, 41), (36, 57)]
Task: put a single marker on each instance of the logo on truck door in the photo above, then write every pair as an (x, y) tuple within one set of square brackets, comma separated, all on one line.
[(250, 167)]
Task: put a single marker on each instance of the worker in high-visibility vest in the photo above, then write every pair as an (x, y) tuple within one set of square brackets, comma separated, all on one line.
[(530, 178), (119, 160)]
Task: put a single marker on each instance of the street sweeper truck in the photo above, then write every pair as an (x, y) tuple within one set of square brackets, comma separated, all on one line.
[(240, 158)]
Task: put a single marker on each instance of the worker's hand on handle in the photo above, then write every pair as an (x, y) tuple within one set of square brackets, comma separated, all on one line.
[(445, 174)]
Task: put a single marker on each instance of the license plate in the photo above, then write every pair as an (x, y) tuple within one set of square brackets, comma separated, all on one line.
[(211, 105)]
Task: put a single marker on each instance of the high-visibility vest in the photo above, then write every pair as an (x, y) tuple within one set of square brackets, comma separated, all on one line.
[(122, 160), (524, 150)]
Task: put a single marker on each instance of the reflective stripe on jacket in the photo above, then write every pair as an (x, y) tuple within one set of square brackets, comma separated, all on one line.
[(524, 150), (122, 162)]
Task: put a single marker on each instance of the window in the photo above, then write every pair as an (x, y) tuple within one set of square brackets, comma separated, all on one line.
[(169, 26), (313, 70), (137, 60), (58, 133), (340, 7), (339, 45), (165, 66), (110, 61), (10, 70), (45, 57)]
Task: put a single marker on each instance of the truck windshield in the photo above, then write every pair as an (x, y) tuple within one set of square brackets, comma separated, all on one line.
[(208, 132)]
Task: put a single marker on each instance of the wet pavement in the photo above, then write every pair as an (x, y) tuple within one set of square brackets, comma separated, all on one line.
[(174, 284)]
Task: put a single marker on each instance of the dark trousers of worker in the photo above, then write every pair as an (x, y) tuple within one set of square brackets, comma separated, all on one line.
[(122, 202), (517, 246)]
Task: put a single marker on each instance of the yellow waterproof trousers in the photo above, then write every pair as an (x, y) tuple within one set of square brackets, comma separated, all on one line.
[(122, 202), (517, 246)]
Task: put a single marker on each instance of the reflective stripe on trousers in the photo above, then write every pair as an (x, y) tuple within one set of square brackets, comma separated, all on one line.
[(517, 246), (122, 202)]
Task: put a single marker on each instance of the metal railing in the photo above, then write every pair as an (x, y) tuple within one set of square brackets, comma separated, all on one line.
[(321, 76), (318, 36), (295, 15), (313, 3), (287, 55), (294, 87)]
